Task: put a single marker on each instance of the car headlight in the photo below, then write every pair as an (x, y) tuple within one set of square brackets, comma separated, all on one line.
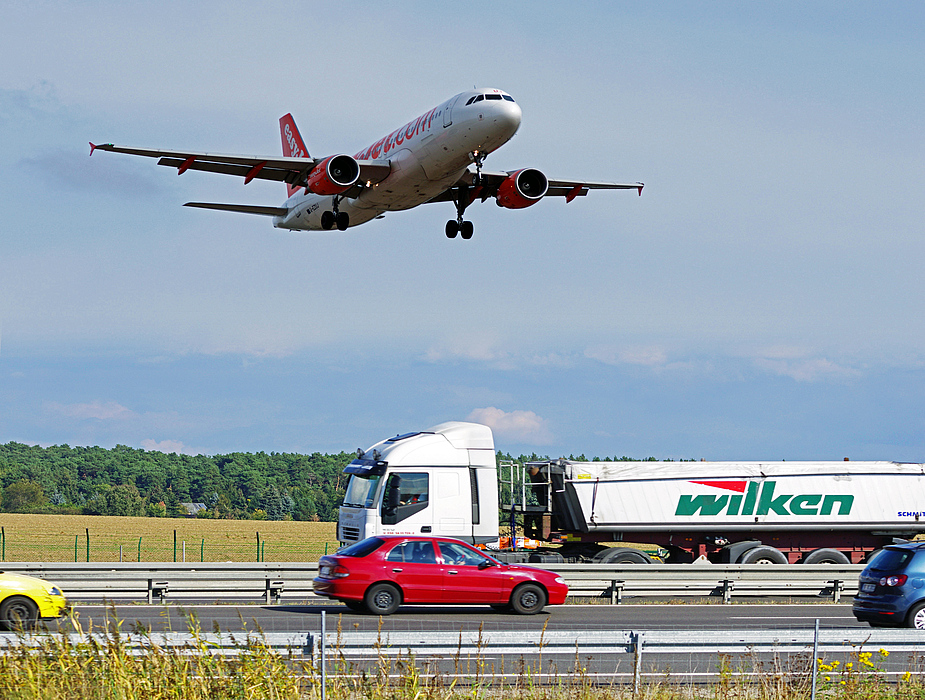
[(559, 579), (54, 590)]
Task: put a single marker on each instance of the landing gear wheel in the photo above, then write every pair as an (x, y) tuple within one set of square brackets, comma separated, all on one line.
[(328, 220), (342, 219), (382, 599), (466, 230), (18, 614), (452, 228), (528, 599)]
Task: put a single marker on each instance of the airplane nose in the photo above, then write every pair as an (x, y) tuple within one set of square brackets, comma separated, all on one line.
[(509, 116)]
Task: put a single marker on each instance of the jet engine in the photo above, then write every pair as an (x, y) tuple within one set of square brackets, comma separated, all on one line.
[(521, 189), (334, 175)]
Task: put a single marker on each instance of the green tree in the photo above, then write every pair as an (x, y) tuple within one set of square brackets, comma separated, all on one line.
[(23, 496)]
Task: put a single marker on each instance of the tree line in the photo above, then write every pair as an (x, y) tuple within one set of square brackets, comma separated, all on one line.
[(128, 481)]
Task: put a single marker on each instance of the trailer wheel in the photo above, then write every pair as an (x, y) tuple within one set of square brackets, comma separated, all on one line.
[(825, 556), (763, 555), (621, 555)]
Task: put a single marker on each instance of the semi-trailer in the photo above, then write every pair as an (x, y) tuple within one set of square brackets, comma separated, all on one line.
[(446, 481)]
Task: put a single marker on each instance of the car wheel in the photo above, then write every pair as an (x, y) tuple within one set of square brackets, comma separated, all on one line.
[(355, 605), (18, 613), (528, 599), (382, 599), (916, 616)]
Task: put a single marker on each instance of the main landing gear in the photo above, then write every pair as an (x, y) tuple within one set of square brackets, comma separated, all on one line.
[(330, 219)]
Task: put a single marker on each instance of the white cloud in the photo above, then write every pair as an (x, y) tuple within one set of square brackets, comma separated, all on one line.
[(518, 426), (806, 370), (168, 446), (650, 356), (97, 410)]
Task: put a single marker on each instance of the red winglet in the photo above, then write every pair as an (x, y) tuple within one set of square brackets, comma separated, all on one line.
[(640, 189), (574, 192), (252, 173), (186, 163)]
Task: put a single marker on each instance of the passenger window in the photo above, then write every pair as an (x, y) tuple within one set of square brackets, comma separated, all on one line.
[(413, 553), (459, 555)]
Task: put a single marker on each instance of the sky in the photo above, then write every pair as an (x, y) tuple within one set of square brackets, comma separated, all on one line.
[(761, 300)]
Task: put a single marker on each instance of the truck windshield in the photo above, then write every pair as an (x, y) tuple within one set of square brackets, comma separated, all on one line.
[(361, 491)]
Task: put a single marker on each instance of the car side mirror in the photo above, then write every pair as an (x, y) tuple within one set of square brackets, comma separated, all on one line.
[(485, 563)]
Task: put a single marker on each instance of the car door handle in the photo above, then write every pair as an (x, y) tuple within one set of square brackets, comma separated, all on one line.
[(396, 571), (452, 572)]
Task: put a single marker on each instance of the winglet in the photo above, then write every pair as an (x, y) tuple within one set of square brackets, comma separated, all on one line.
[(641, 185)]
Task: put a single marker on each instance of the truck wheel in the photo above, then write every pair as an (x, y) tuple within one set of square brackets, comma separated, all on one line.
[(763, 555), (621, 555), (916, 617), (528, 599), (18, 613), (382, 599), (825, 556)]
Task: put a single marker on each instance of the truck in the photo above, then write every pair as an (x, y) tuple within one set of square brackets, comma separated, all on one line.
[(446, 481)]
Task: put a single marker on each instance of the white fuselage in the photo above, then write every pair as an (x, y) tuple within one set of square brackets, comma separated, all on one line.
[(426, 156)]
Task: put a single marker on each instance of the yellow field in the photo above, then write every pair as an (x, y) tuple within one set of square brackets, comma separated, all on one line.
[(58, 537)]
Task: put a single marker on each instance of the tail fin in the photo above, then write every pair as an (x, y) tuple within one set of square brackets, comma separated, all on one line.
[(293, 146)]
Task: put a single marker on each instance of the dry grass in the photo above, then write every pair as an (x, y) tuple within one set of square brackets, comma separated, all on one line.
[(52, 538)]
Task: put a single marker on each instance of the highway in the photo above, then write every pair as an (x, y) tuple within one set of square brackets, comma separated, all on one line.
[(306, 618)]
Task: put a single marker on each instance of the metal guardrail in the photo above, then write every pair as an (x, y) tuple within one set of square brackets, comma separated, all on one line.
[(272, 582)]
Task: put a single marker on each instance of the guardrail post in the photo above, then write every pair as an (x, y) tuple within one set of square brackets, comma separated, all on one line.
[(728, 585), (158, 589), (837, 588), (274, 589), (616, 592), (637, 660)]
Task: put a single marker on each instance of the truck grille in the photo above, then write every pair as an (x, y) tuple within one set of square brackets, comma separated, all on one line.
[(349, 534)]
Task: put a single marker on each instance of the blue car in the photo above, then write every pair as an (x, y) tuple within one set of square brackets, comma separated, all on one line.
[(891, 590)]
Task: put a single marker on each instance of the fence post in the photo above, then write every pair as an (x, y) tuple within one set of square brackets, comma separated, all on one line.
[(174, 546), (258, 546), (202, 550), (3, 543), (815, 659), (637, 665), (139, 549), (88, 545), (76, 538), (324, 659)]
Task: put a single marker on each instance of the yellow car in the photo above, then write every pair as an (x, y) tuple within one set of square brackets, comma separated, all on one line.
[(25, 599)]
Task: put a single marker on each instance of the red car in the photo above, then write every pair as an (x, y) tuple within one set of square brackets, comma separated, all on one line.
[(380, 573)]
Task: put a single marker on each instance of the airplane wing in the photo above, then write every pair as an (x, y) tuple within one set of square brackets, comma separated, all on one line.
[(241, 208), (557, 188), (293, 171)]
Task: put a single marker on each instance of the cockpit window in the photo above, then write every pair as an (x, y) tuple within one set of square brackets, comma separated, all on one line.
[(492, 97), (470, 100), (508, 98), (479, 98)]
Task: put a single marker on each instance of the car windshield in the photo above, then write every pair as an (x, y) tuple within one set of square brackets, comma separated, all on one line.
[(362, 548), (361, 491), (891, 559)]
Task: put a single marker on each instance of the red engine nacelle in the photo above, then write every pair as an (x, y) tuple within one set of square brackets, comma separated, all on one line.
[(521, 189), (334, 175)]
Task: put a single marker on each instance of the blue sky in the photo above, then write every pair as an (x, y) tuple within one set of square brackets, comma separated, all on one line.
[(761, 300)]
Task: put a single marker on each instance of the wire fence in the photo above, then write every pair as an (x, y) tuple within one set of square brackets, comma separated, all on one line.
[(89, 547)]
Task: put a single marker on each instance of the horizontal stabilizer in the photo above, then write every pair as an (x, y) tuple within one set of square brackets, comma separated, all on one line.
[(241, 208)]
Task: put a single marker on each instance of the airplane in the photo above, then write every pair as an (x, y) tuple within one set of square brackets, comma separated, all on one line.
[(436, 157)]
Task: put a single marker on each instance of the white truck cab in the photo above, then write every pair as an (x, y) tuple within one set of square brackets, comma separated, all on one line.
[(441, 482)]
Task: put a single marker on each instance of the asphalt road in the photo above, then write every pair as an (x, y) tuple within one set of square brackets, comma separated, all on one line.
[(306, 618)]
